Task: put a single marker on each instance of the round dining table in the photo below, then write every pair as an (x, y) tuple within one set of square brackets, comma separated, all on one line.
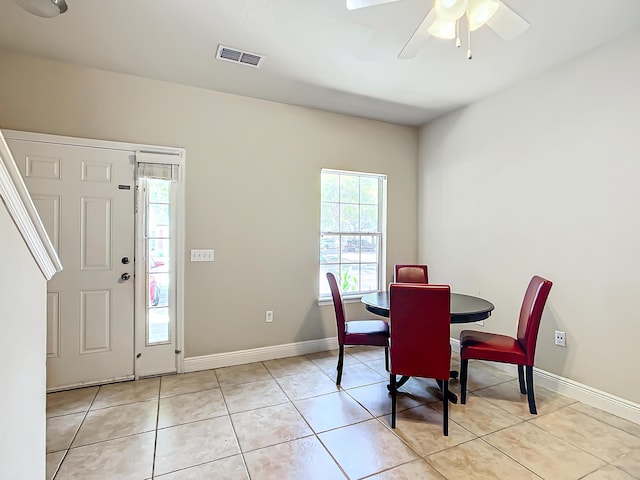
[(464, 309)]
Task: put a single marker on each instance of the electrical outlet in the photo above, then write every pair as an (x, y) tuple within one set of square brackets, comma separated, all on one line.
[(269, 316), (560, 339)]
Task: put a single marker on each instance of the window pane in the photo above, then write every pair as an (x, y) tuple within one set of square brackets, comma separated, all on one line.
[(369, 278), (369, 249), (158, 255), (368, 218), (158, 290), (329, 249), (350, 249), (349, 188), (158, 326), (159, 191), (350, 281), (324, 283), (329, 217), (349, 221), (158, 221), (369, 190), (330, 187)]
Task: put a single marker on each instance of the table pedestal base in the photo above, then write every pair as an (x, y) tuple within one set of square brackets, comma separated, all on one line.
[(452, 397)]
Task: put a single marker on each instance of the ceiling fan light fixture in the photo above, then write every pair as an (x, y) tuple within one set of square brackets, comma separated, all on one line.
[(450, 10), (445, 29), (44, 8), (479, 12)]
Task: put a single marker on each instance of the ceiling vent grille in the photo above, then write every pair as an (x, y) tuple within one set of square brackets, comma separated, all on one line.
[(238, 56)]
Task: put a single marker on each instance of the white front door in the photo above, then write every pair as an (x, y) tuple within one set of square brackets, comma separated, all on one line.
[(85, 197)]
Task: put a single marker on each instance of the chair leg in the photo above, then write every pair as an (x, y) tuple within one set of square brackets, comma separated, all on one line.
[(463, 381), (394, 392), (386, 358), (445, 410), (523, 390), (530, 394), (340, 362)]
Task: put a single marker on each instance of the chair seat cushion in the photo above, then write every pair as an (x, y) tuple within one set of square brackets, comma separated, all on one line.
[(366, 332), (491, 346)]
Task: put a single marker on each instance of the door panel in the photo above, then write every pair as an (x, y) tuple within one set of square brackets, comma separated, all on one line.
[(95, 228), (85, 197), (95, 321)]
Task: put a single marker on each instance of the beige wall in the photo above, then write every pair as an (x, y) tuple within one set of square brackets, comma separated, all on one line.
[(252, 188), (22, 357), (543, 179)]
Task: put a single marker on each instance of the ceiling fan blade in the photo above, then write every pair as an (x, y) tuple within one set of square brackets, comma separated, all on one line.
[(507, 23), (412, 47), (356, 4)]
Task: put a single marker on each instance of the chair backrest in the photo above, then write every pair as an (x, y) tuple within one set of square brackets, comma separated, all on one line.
[(411, 274), (337, 306), (531, 314), (419, 321)]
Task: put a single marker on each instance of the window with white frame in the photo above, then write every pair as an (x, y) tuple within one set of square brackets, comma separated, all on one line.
[(352, 226)]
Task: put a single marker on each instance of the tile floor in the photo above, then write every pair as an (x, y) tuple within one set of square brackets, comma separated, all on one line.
[(286, 419)]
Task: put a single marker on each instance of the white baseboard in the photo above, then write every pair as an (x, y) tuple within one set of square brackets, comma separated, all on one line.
[(564, 386), (240, 357), (583, 393)]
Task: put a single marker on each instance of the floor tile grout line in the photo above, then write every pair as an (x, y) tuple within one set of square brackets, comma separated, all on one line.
[(569, 441), (233, 427), (388, 427), (181, 469), (542, 429), (291, 402), (155, 434), (89, 410), (379, 418), (86, 413), (335, 460), (313, 432), (507, 454), (500, 407), (374, 417), (396, 466), (571, 405)]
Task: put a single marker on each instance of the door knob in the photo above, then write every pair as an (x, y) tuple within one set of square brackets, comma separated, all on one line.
[(125, 277)]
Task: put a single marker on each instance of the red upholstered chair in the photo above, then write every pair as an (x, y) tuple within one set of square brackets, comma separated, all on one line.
[(502, 348), (419, 319), (411, 274), (355, 332)]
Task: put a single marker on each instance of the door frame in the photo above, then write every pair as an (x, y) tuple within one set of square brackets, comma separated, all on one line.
[(180, 214)]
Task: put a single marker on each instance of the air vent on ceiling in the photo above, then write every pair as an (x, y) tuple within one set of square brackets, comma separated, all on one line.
[(238, 56)]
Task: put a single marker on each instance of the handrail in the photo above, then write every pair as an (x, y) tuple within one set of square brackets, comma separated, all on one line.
[(23, 212)]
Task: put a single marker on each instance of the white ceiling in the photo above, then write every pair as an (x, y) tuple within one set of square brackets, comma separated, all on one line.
[(317, 54)]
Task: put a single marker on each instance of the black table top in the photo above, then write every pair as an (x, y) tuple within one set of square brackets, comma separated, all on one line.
[(464, 308)]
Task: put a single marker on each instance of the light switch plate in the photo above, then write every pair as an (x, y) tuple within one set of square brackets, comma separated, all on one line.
[(201, 255)]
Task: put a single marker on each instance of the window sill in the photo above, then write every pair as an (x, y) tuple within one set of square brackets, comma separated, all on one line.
[(345, 299)]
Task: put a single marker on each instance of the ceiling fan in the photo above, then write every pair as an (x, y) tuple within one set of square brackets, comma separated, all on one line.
[(443, 21)]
